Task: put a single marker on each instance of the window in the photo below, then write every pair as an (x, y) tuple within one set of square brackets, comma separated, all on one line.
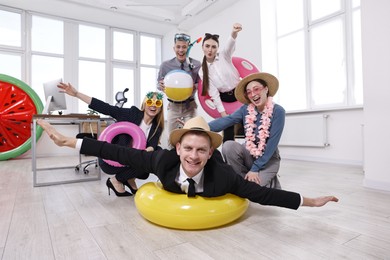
[(149, 81), (92, 81), (150, 49), (11, 44), (124, 66), (10, 29), (314, 49), (123, 48), (47, 35), (98, 60), (92, 42), (92, 64), (11, 65), (44, 69), (47, 48)]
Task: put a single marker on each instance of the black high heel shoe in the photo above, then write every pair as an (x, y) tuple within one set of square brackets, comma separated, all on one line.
[(134, 191), (118, 194)]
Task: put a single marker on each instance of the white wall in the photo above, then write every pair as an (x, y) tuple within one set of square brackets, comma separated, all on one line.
[(248, 44), (376, 78), (345, 136)]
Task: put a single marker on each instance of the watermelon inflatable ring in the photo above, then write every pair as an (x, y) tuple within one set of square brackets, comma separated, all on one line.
[(18, 103)]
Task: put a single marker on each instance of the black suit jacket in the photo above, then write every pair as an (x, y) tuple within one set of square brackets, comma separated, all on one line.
[(133, 115), (219, 177)]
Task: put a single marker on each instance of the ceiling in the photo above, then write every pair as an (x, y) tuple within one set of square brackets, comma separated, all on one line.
[(152, 16), (174, 12)]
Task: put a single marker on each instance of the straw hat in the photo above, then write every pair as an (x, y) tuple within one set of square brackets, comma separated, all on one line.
[(195, 124), (272, 84)]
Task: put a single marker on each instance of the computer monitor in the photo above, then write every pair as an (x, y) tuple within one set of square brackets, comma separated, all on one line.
[(55, 100)]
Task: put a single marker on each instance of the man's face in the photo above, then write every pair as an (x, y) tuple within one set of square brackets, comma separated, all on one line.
[(180, 50), (194, 151)]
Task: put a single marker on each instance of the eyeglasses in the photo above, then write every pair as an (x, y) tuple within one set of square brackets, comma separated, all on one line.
[(212, 36), (182, 37), (154, 102)]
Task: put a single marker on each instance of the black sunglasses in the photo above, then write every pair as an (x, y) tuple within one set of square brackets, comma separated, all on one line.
[(212, 36)]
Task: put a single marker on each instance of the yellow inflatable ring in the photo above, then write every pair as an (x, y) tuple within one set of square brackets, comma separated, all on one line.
[(177, 211)]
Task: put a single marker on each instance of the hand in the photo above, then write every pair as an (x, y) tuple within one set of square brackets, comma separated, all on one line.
[(253, 177), (161, 85), (223, 114), (68, 89), (149, 149), (180, 121), (237, 27)]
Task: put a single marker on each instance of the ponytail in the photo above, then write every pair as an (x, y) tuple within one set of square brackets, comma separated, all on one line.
[(205, 80)]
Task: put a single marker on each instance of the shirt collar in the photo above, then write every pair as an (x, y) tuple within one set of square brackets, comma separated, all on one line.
[(183, 176)]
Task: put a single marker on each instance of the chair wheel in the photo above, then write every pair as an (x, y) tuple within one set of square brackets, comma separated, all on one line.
[(77, 168)]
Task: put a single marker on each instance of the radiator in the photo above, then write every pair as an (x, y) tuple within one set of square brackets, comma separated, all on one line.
[(305, 130)]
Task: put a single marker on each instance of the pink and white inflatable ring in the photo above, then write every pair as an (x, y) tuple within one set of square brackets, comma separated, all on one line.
[(244, 68), (139, 139)]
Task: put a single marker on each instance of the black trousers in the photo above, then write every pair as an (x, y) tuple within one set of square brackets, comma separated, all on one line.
[(228, 97)]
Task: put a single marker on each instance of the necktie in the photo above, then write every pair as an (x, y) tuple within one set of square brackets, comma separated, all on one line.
[(182, 66), (191, 188)]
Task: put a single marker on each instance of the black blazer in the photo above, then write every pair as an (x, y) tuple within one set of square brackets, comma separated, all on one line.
[(219, 177), (133, 115)]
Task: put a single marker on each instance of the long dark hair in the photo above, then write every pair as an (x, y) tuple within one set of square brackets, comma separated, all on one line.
[(205, 69)]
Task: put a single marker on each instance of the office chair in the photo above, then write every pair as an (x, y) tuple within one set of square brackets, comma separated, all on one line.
[(89, 162), (121, 100)]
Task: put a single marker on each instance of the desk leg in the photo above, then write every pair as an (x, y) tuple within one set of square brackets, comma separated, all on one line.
[(35, 169), (33, 147)]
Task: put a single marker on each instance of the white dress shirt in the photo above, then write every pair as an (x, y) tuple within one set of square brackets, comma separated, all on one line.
[(223, 76), (181, 179)]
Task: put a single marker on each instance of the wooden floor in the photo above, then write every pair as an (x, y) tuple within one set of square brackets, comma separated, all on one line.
[(80, 221)]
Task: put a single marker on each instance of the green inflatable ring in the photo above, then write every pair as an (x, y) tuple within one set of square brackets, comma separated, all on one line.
[(19, 102)]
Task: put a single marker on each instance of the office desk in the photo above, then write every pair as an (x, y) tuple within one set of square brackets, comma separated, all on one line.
[(72, 119)]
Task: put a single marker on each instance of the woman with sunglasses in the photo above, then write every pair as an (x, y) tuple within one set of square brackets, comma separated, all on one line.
[(150, 118), (218, 74)]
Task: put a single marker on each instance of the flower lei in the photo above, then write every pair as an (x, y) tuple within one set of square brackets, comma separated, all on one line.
[(250, 125)]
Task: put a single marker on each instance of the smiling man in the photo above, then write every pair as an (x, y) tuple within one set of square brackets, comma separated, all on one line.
[(179, 111), (195, 159)]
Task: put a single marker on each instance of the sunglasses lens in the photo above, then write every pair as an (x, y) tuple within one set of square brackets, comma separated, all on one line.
[(149, 102), (158, 103)]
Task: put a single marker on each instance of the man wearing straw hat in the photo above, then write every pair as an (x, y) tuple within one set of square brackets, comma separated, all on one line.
[(195, 166), (258, 158)]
